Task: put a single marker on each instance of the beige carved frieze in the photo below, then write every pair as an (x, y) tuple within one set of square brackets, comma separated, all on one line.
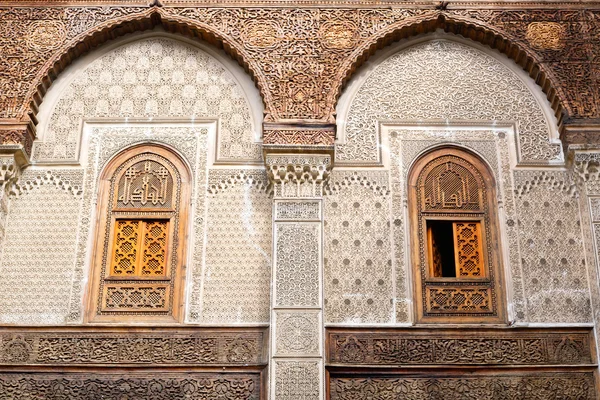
[(312, 137)]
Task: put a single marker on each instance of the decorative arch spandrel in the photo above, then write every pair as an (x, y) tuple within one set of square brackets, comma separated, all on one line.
[(328, 46), (139, 254), (455, 249)]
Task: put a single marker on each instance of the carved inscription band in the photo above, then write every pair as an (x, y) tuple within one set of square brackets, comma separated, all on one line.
[(416, 347), (160, 347)]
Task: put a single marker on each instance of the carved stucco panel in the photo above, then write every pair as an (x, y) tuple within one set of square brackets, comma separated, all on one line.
[(298, 210), (297, 333), (443, 80), (358, 275), (552, 248), (39, 248), (297, 264), (297, 380), (151, 78), (237, 270)]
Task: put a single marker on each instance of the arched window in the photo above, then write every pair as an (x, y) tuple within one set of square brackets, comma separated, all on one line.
[(454, 239), (139, 252)]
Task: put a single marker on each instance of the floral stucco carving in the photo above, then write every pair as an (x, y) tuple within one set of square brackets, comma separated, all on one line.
[(299, 57)]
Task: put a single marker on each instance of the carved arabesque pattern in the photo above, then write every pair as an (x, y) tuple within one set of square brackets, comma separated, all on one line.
[(552, 255), (521, 347), (237, 271), (297, 333), (358, 265), (297, 54), (564, 386), (143, 386), (150, 78), (297, 264), (39, 247), (160, 348), (449, 81)]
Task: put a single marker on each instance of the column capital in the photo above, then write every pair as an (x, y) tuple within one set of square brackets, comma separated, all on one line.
[(17, 138), (585, 161), (298, 175), (298, 157), (581, 133), (10, 170)]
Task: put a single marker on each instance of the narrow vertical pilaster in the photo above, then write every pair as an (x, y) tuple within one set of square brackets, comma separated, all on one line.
[(10, 170), (586, 168), (296, 355)]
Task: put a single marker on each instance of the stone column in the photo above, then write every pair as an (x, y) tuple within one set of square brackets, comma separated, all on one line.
[(296, 354)]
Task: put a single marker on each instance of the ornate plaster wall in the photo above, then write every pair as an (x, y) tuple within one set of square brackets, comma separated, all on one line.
[(447, 92), (154, 77), (358, 273), (39, 248), (445, 80), (237, 270), (146, 89)]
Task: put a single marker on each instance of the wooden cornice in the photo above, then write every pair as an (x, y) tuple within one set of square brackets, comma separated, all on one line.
[(452, 5)]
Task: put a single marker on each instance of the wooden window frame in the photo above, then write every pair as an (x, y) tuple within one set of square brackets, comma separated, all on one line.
[(491, 284), (108, 213)]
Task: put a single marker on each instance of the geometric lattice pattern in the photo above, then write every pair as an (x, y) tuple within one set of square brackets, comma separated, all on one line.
[(126, 248), (135, 297), (152, 78), (443, 80), (469, 249), (140, 248), (458, 299)]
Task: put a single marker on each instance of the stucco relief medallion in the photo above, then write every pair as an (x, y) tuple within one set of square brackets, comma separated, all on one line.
[(46, 35), (296, 334), (260, 35), (546, 35), (338, 35)]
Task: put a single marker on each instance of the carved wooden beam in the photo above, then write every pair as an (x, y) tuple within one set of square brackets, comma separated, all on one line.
[(108, 346), (460, 347)]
